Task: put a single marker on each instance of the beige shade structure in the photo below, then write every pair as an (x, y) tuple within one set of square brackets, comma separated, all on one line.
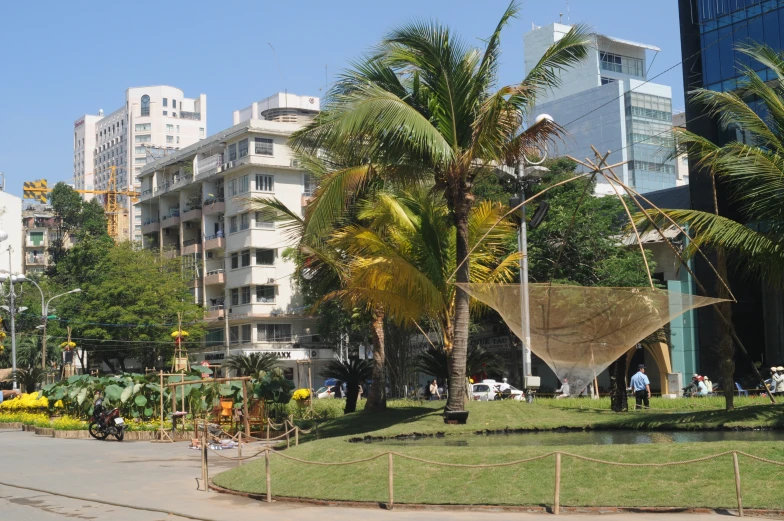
[(579, 331)]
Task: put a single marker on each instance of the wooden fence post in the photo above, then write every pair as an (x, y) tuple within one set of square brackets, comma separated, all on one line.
[(206, 475), (288, 437), (391, 482), (268, 429), (269, 482), (557, 498), (239, 448), (737, 483), (296, 436)]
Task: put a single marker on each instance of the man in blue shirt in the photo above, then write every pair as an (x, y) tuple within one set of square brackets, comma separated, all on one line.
[(641, 387)]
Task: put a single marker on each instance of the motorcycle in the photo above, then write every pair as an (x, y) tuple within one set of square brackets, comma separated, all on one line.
[(103, 424)]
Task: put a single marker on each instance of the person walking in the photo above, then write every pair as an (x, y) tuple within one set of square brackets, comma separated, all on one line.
[(641, 387)]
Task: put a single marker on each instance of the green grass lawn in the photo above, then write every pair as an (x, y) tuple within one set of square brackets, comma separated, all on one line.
[(707, 484), (406, 417)]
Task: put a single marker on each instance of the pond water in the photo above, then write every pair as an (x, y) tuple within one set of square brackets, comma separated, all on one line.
[(584, 438)]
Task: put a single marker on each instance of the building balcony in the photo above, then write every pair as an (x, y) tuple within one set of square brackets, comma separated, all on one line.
[(36, 260), (208, 166), (167, 221), (214, 312), (194, 282), (253, 276), (171, 253), (215, 277), (214, 242), (191, 246), (146, 194), (151, 226), (190, 214), (213, 206)]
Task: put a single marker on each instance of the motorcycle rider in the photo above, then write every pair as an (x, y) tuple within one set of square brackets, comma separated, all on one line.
[(98, 408)]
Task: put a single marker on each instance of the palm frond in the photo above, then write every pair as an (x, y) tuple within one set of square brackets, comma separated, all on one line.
[(274, 210)]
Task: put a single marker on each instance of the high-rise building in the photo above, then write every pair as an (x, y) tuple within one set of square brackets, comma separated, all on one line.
[(606, 101), (153, 122), (711, 31), (196, 205)]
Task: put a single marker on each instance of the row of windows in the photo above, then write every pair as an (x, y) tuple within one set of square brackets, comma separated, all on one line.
[(242, 334), (642, 112), (242, 222), (664, 140), (111, 129), (622, 64), (241, 185), (264, 257), (651, 167), (242, 296), (262, 146)]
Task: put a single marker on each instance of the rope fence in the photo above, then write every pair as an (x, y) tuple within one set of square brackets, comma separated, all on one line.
[(558, 457)]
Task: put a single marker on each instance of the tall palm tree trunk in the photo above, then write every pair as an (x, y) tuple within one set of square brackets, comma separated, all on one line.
[(377, 399), (725, 347), (459, 352)]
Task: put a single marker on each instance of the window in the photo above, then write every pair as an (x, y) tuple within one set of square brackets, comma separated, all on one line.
[(264, 221), (243, 148), (309, 184), (165, 112), (169, 128), (178, 139), (263, 146), (201, 131), (145, 105), (165, 102), (265, 257), (143, 138), (245, 296), (141, 161), (274, 332), (234, 333), (37, 238), (265, 294), (235, 261), (174, 114), (265, 183), (622, 64), (140, 127), (233, 187), (242, 184), (214, 337), (170, 139), (245, 332), (178, 129), (606, 80), (232, 152), (245, 258), (244, 221), (233, 224), (235, 296), (174, 103)]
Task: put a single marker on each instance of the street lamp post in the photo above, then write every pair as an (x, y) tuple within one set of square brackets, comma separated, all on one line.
[(45, 314)]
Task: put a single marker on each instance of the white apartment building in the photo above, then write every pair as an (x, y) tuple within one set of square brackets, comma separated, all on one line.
[(605, 101), (196, 205), (11, 223), (154, 121)]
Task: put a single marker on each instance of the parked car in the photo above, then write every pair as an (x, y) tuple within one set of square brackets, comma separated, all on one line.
[(483, 392), (324, 392), (509, 393)]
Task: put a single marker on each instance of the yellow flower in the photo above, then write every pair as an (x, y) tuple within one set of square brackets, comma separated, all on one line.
[(301, 394), (182, 334)]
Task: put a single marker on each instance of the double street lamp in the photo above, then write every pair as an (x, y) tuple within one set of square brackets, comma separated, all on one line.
[(12, 309)]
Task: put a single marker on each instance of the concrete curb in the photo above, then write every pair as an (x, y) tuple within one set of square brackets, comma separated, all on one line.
[(530, 509), (50, 432)]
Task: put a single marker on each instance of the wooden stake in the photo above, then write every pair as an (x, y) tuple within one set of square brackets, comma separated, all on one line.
[(204, 454), (391, 482), (206, 461), (310, 388), (268, 429), (296, 436), (239, 449), (269, 482), (245, 418), (737, 483), (557, 498), (288, 437)]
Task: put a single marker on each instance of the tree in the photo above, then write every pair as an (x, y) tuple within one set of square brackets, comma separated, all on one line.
[(351, 372), (128, 307), (424, 107), (433, 361), (252, 364), (751, 171)]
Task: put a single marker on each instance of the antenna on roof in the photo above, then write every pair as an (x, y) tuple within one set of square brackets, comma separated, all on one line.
[(275, 55), (568, 14), (560, 18)]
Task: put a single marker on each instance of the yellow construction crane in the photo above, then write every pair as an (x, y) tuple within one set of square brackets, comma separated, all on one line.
[(39, 188)]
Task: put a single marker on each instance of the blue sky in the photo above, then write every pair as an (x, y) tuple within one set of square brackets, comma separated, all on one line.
[(64, 59)]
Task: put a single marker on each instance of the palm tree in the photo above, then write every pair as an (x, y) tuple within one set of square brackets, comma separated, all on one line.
[(424, 107), (752, 170), (30, 378), (252, 364), (402, 252), (352, 373)]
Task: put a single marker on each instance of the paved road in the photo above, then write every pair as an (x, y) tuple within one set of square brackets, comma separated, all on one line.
[(162, 476)]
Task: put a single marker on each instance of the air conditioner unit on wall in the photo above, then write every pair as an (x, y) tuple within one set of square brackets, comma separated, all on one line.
[(270, 281)]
